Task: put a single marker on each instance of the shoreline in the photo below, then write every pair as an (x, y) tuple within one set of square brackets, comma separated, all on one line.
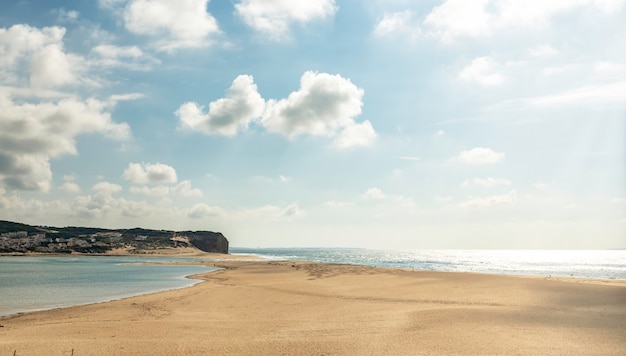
[(204, 259), (299, 307)]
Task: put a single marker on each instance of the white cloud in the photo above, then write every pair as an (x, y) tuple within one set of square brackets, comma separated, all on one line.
[(106, 188), (494, 200), (356, 134), (457, 19), (292, 210), (41, 52), (373, 194), (397, 23), (485, 182), (482, 70), (480, 156), (586, 96), (70, 187), (227, 115), (184, 188), (440, 133), (158, 191), (32, 134), (274, 18), (18, 41), (591, 94), (51, 67), (175, 24), (130, 57), (202, 210), (273, 212), (65, 15), (112, 51), (111, 4), (325, 105), (143, 173), (113, 99)]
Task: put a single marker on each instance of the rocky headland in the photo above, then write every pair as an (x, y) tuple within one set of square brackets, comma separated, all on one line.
[(21, 238)]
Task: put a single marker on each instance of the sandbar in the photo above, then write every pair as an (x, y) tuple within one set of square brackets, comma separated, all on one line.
[(256, 307)]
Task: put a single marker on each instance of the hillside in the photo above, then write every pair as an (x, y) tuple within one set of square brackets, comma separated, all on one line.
[(21, 238)]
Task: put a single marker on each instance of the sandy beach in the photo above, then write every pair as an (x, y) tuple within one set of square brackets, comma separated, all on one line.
[(300, 308)]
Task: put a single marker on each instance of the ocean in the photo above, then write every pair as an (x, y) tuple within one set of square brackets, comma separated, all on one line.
[(38, 283), (602, 264)]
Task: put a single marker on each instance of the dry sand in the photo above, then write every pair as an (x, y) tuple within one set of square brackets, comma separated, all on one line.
[(298, 308)]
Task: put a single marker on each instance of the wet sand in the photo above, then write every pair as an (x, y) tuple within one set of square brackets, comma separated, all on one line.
[(300, 308)]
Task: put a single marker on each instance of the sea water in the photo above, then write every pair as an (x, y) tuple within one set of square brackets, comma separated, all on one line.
[(601, 264), (38, 283)]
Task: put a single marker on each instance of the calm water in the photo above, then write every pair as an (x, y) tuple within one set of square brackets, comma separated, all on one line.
[(36, 283), (608, 264)]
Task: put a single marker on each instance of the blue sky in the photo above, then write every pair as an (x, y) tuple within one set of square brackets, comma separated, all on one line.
[(379, 124)]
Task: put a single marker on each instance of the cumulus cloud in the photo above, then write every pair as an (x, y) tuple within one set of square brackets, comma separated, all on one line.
[(356, 134), (482, 70), (202, 210), (158, 191), (325, 105), (485, 182), (175, 24), (373, 194), (184, 188), (70, 187), (51, 67), (225, 116), (31, 134), (106, 188), (274, 18), (455, 18), (33, 64), (480, 156), (103, 203), (143, 173), (40, 50)]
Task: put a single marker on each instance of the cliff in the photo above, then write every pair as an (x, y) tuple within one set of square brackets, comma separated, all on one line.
[(207, 241), (22, 238)]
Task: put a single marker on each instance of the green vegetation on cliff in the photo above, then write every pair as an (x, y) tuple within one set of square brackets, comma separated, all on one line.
[(17, 237)]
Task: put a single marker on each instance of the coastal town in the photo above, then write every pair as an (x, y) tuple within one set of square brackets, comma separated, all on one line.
[(22, 241), (21, 238)]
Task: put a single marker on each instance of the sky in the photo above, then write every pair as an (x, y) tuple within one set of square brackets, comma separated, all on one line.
[(387, 124)]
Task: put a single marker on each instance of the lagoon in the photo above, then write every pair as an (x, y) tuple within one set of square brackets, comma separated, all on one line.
[(37, 283)]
